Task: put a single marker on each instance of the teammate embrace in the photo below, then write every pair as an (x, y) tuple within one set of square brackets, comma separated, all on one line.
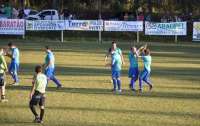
[(117, 60)]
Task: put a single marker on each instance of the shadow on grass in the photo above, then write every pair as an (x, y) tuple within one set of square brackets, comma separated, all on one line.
[(154, 94), (130, 111)]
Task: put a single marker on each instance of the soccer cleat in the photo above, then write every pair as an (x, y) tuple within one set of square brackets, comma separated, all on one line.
[(40, 121), (140, 91), (150, 87), (59, 87), (119, 91), (4, 100), (36, 120), (130, 86), (15, 84), (114, 90), (133, 90)]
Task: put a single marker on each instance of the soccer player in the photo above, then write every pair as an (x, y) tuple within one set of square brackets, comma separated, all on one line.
[(115, 49), (37, 94), (118, 51), (133, 69), (14, 65), (145, 74), (3, 69), (116, 64), (50, 67)]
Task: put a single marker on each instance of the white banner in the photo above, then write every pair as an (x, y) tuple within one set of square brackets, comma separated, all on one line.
[(45, 25), (172, 28), (84, 25), (123, 26), (196, 31), (12, 27)]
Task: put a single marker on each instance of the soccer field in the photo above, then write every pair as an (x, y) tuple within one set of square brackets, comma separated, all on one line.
[(86, 98)]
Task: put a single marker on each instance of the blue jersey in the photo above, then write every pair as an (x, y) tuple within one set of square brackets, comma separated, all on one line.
[(133, 60), (50, 59), (15, 55), (116, 62), (118, 51), (147, 62)]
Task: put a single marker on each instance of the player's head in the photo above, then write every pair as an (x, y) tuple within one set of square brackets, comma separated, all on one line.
[(1, 51), (114, 45), (133, 49), (10, 45), (47, 48), (147, 52), (38, 69)]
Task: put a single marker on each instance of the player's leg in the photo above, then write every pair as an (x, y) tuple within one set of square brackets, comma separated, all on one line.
[(50, 75), (119, 81), (114, 81), (147, 80), (2, 86), (130, 74), (13, 70), (141, 78), (134, 78), (56, 81), (42, 106), (32, 105)]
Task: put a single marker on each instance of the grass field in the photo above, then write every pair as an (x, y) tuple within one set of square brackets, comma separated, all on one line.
[(86, 98)]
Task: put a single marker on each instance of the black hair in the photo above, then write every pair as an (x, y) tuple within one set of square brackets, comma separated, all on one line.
[(38, 69), (47, 47), (10, 44), (147, 51)]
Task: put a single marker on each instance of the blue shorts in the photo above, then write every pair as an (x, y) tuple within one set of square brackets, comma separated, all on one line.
[(144, 75), (14, 67), (133, 72), (49, 72), (116, 74)]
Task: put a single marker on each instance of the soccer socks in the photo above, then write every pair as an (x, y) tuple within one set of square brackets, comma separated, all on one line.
[(41, 114), (33, 110), (57, 82), (140, 83), (14, 76), (146, 81), (119, 84), (114, 83), (132, 83)]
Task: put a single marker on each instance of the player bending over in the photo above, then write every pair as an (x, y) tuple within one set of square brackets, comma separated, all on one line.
[(37, 94)]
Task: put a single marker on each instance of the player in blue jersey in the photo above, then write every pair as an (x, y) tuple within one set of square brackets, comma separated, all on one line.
[(133, 68), (49, 66), (14, 65), (145, 74), (115, 49), (116, 62)]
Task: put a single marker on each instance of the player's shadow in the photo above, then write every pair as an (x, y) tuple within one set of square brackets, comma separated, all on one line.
[(125, 93)]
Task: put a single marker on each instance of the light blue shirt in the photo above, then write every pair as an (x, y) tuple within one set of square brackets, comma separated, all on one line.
[(15, 55), (147, 62), (133, 60), (116, 62), (50, 58)]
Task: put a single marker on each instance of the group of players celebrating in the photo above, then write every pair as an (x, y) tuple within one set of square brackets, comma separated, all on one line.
[(117, 60)]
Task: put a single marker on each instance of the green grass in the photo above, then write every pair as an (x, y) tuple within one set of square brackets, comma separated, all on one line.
[(86, 99)]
